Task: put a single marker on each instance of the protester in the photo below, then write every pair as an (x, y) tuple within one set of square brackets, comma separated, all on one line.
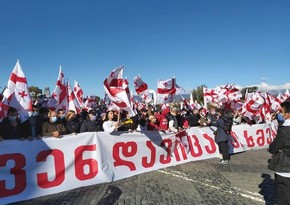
[(279, 117), (72, 122), (202, 120), (61, 115), (184, 124), (109, 124), (53, 127), (193, 117), (282, 141), (174, 119), (222, 135), (161, 117), (33, 126), (90, 124), (10, 127), (102, 120), (152, 125), (43, 113), (212, 117)]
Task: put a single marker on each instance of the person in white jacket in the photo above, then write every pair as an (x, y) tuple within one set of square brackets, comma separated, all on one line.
[(109, 124)]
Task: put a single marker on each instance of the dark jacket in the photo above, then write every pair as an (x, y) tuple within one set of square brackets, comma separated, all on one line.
[(282, 139), (8, 131), (221, 135), (73, 126), (32, 127), (89, 126), (193, 119), (212, 119), (48, 128)]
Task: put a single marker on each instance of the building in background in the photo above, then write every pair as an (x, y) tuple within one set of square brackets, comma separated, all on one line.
[(46, 92)]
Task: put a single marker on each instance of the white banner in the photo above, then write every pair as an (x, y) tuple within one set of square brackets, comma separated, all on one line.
[(36, 168)]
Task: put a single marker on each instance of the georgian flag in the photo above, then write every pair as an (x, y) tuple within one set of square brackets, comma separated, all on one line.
[(266, 108), (17, 93), (282, 97), (257, 106), (141, 89), (73, 103), (78, 92), (209, 95), (117, 90), (231, 92), (59, 98), (165, 90), (252, 105)]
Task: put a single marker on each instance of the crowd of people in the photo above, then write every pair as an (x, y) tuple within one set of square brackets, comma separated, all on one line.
[(43, 122)]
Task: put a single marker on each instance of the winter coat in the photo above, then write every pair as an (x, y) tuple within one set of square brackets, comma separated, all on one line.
[(221, 135), (49, 127)]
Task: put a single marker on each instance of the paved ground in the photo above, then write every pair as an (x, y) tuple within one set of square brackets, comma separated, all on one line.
[(244, 181)]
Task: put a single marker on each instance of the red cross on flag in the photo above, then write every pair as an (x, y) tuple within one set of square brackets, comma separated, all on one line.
[(165, 90), (17, 93), (59, 97), (72, 101), (78, 92), (142, 89), (117, 90)]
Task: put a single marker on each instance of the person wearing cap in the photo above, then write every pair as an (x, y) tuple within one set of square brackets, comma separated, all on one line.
[(90, 124)]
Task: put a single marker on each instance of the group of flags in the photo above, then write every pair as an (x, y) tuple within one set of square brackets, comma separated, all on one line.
[(256, 106), (117, 89), (65, 97), (16, 94)]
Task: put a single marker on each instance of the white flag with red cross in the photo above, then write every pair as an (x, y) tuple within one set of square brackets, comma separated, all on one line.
[(59, 97), (165, 90), (72, 100), (78, 92), (141, 89), (17, 94), (118, 91)]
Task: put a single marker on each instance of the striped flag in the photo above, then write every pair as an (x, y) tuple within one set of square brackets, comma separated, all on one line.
[(165, 90), (117, 90)]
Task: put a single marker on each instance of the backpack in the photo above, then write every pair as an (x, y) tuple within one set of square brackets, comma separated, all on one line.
[(228, 122)]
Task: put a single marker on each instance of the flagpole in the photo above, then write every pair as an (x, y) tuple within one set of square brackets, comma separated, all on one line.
[(204, 99)]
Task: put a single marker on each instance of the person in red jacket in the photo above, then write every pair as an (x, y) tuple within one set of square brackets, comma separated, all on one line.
[(163, 121)]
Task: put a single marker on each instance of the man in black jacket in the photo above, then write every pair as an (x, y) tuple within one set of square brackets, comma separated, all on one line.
[(10, 127), (281, 141)]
